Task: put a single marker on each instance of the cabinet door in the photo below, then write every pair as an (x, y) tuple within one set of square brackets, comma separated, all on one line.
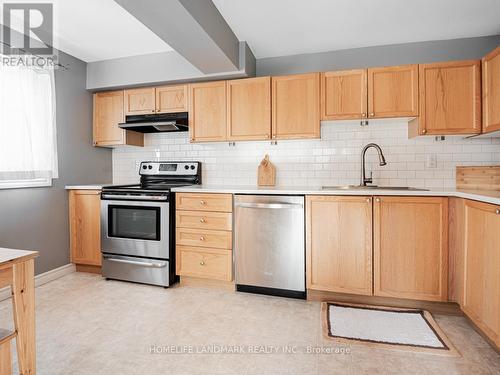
[(249, 109), (339, 244), (207, 111), (171, 99), (84, 221), (491, 91), (393, 91), (344, 95), (411, 247), (139, 101), (481, 300), (450, 98), (108, 113), (295, 106)]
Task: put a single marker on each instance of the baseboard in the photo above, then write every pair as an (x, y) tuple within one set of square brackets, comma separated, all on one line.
[(43, 278)]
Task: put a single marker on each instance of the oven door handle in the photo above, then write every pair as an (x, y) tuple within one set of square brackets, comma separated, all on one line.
[(142, 264)]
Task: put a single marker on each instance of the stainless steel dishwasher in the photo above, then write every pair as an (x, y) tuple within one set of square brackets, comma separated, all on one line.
[(269, 252)]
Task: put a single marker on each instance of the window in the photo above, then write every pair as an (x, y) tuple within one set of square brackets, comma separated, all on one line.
[(28, 139)]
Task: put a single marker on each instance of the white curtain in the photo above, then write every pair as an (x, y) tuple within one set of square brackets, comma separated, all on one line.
[(28, 139)]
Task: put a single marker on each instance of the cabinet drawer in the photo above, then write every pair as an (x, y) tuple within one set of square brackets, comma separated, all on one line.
[(204, 262), (205, 238), (204, 220), (204, 202)]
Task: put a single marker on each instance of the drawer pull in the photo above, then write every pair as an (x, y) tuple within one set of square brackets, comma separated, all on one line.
[(202, 220), (202, 263), (202, 238), (497, 211), (202, 202)]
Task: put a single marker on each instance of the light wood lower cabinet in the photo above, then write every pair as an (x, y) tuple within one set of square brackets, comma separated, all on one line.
[(411, 247), (481, 295), (339, 244), (204, 238), (204, 262), (85, 229)]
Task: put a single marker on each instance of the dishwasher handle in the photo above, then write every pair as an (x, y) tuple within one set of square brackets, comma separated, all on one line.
[(270, 205)]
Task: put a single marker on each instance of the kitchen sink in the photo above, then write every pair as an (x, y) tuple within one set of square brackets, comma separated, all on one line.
[(371, 187)]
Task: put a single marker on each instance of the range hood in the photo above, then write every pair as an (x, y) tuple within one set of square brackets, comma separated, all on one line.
[(155, 123)]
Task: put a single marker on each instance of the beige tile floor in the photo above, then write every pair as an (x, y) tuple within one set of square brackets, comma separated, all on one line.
[(86, 325)]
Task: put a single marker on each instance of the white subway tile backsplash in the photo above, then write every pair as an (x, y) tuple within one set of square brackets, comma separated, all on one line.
[(332, 160)]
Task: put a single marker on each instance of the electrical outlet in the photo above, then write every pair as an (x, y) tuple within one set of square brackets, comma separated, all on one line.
[(431, 161)]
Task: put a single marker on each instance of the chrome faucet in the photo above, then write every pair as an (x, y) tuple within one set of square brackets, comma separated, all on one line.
[(368, 180)]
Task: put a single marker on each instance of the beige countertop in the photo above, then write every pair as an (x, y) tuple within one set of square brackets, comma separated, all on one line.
[(492, 197), (15, 256), (86, 187)]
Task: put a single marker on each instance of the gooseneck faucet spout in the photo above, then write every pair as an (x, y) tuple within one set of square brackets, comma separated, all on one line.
[(368, 180)]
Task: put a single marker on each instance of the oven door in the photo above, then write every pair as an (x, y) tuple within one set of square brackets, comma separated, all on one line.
[(136, 228)]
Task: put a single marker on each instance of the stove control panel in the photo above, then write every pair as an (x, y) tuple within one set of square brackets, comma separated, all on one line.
[(168, 168)]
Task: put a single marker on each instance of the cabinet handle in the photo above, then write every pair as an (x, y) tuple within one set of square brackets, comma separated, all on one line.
[(202, 238), (363, 115), (368, 200), (372, 114), (377, 200), (202, 220), (497, 211), (153, 111), (202, 263), (203, 202), (424, 131)]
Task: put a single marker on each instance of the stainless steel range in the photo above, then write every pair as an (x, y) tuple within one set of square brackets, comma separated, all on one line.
[(138, 223)]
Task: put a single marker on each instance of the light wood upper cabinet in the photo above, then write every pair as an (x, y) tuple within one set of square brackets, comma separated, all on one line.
[(207, 112), (249, 109), (171, 99), (481, 298), (84, 222), (108, 113), (344, 94), (393, 91), (339, 244), (491, 91), (296, 106), (139, 101), (450, 98), (411, 247)]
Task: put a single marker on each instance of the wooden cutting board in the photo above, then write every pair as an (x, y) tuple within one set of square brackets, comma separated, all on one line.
[(266, 173), (479, 178)]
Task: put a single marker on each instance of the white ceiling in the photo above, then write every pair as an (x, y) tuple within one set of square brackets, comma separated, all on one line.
[(93, 30), (288, 27)]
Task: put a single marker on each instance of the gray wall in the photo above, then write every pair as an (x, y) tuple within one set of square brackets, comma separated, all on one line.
[(396, 54), (37, 218)]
